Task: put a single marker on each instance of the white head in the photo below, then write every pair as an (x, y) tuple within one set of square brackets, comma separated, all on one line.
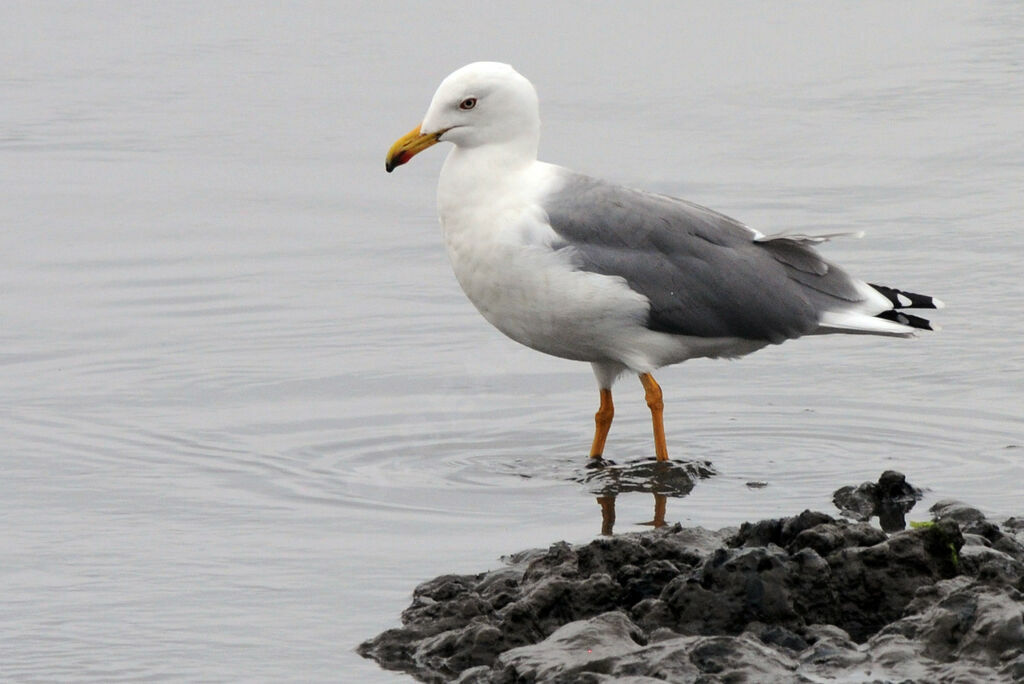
[(483, 103)]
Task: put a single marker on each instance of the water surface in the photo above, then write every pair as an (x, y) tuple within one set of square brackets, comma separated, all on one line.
[(245, 407)]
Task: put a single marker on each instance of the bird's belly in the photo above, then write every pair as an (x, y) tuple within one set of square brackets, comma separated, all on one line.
[(537, 298)]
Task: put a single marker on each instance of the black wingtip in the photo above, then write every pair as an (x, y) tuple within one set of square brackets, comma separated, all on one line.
[(909, 320), (901, 299)]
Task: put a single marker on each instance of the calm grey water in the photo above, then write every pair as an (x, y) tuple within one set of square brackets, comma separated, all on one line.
[(244, 407)]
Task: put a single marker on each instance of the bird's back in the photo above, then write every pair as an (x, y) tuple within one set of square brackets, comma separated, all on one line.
[(705, 274)]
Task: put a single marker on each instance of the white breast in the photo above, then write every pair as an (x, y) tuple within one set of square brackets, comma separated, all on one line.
[(500, 246)]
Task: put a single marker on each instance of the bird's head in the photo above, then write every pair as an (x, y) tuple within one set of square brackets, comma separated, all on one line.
[(480, 104)]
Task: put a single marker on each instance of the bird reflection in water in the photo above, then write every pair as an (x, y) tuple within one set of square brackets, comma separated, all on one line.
[(662, 479)]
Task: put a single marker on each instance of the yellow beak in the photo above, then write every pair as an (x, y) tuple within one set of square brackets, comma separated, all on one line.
[(408, 146)]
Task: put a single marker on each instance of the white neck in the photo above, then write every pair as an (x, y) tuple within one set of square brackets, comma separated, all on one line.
[(479, 174)]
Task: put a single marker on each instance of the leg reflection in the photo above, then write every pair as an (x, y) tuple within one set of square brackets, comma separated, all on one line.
[(607, 504), (660, 500)]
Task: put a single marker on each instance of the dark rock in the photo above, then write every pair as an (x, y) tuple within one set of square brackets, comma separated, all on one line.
[(732, 588), (889, 499), (959, 620), (649, 580), (583, 646), (957, 511), (603, 649), (826, 538), (856, 502), (779, 637), (874, 584), (805, 598), (778, 531), (652, 614), (829, 656)]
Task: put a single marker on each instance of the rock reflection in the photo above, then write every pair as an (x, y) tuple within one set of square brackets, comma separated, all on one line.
[(662, 479)]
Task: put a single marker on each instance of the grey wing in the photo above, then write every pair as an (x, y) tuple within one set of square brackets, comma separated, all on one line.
[(704, 273)]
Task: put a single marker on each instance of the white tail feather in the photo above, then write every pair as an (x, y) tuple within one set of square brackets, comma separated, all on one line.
[(851, 322)]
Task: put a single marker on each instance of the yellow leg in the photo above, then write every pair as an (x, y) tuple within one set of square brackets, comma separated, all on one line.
[(602, 423), (657, 406)]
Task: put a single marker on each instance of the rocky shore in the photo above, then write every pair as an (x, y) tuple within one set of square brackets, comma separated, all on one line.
[(807, 598)]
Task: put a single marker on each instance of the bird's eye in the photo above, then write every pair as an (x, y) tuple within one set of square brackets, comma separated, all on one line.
[(468, 103)]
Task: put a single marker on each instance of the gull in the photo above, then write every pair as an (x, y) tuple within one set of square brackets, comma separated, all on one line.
[(626, 280)]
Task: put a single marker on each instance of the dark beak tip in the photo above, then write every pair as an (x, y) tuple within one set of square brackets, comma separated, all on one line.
[(396, 161)]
